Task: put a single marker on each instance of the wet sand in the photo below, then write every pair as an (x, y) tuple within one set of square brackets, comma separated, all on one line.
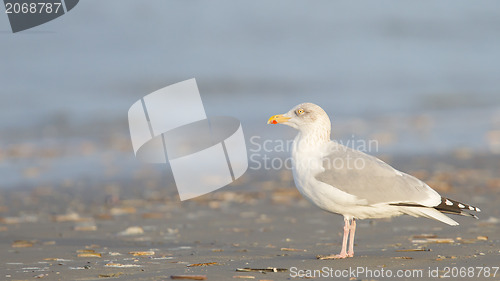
[(142, 232)]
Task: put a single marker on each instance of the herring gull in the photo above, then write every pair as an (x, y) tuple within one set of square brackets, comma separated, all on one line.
[(345, 181)]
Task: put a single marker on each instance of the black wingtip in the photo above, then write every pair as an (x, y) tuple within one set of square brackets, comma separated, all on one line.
[(468, 215), (454, 207)]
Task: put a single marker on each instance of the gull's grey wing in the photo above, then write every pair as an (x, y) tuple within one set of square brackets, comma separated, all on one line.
[(369, 178)]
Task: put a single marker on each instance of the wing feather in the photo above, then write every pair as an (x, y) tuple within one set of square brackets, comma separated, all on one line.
[(372, 180)]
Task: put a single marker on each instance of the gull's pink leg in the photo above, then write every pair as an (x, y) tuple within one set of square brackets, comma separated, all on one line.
[(343, 252), (351, 238), (347, 227)]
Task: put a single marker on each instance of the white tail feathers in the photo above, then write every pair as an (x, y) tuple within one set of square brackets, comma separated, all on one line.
[(429, 213)]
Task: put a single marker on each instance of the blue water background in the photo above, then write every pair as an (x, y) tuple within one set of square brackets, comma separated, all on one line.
[(420, 77)]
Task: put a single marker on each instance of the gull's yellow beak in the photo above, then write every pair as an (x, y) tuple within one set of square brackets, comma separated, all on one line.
[(277, 119)]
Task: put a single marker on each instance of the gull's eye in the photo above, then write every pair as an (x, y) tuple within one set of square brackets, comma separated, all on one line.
[(300, 111)]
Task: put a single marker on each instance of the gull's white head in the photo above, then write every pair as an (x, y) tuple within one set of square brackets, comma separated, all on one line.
[(307, 118)]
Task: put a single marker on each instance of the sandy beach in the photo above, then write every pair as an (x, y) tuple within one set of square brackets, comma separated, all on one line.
[(260, 228)]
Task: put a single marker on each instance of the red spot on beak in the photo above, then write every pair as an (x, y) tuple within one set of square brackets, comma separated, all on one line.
[(274, 122)]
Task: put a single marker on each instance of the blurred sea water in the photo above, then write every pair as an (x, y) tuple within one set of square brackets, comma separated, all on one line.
[(418, 77)]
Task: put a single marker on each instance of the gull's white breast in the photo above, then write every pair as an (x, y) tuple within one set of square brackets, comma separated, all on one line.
[(307, 164)]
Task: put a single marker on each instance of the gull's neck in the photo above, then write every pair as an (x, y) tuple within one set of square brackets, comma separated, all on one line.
[(312, 138)]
